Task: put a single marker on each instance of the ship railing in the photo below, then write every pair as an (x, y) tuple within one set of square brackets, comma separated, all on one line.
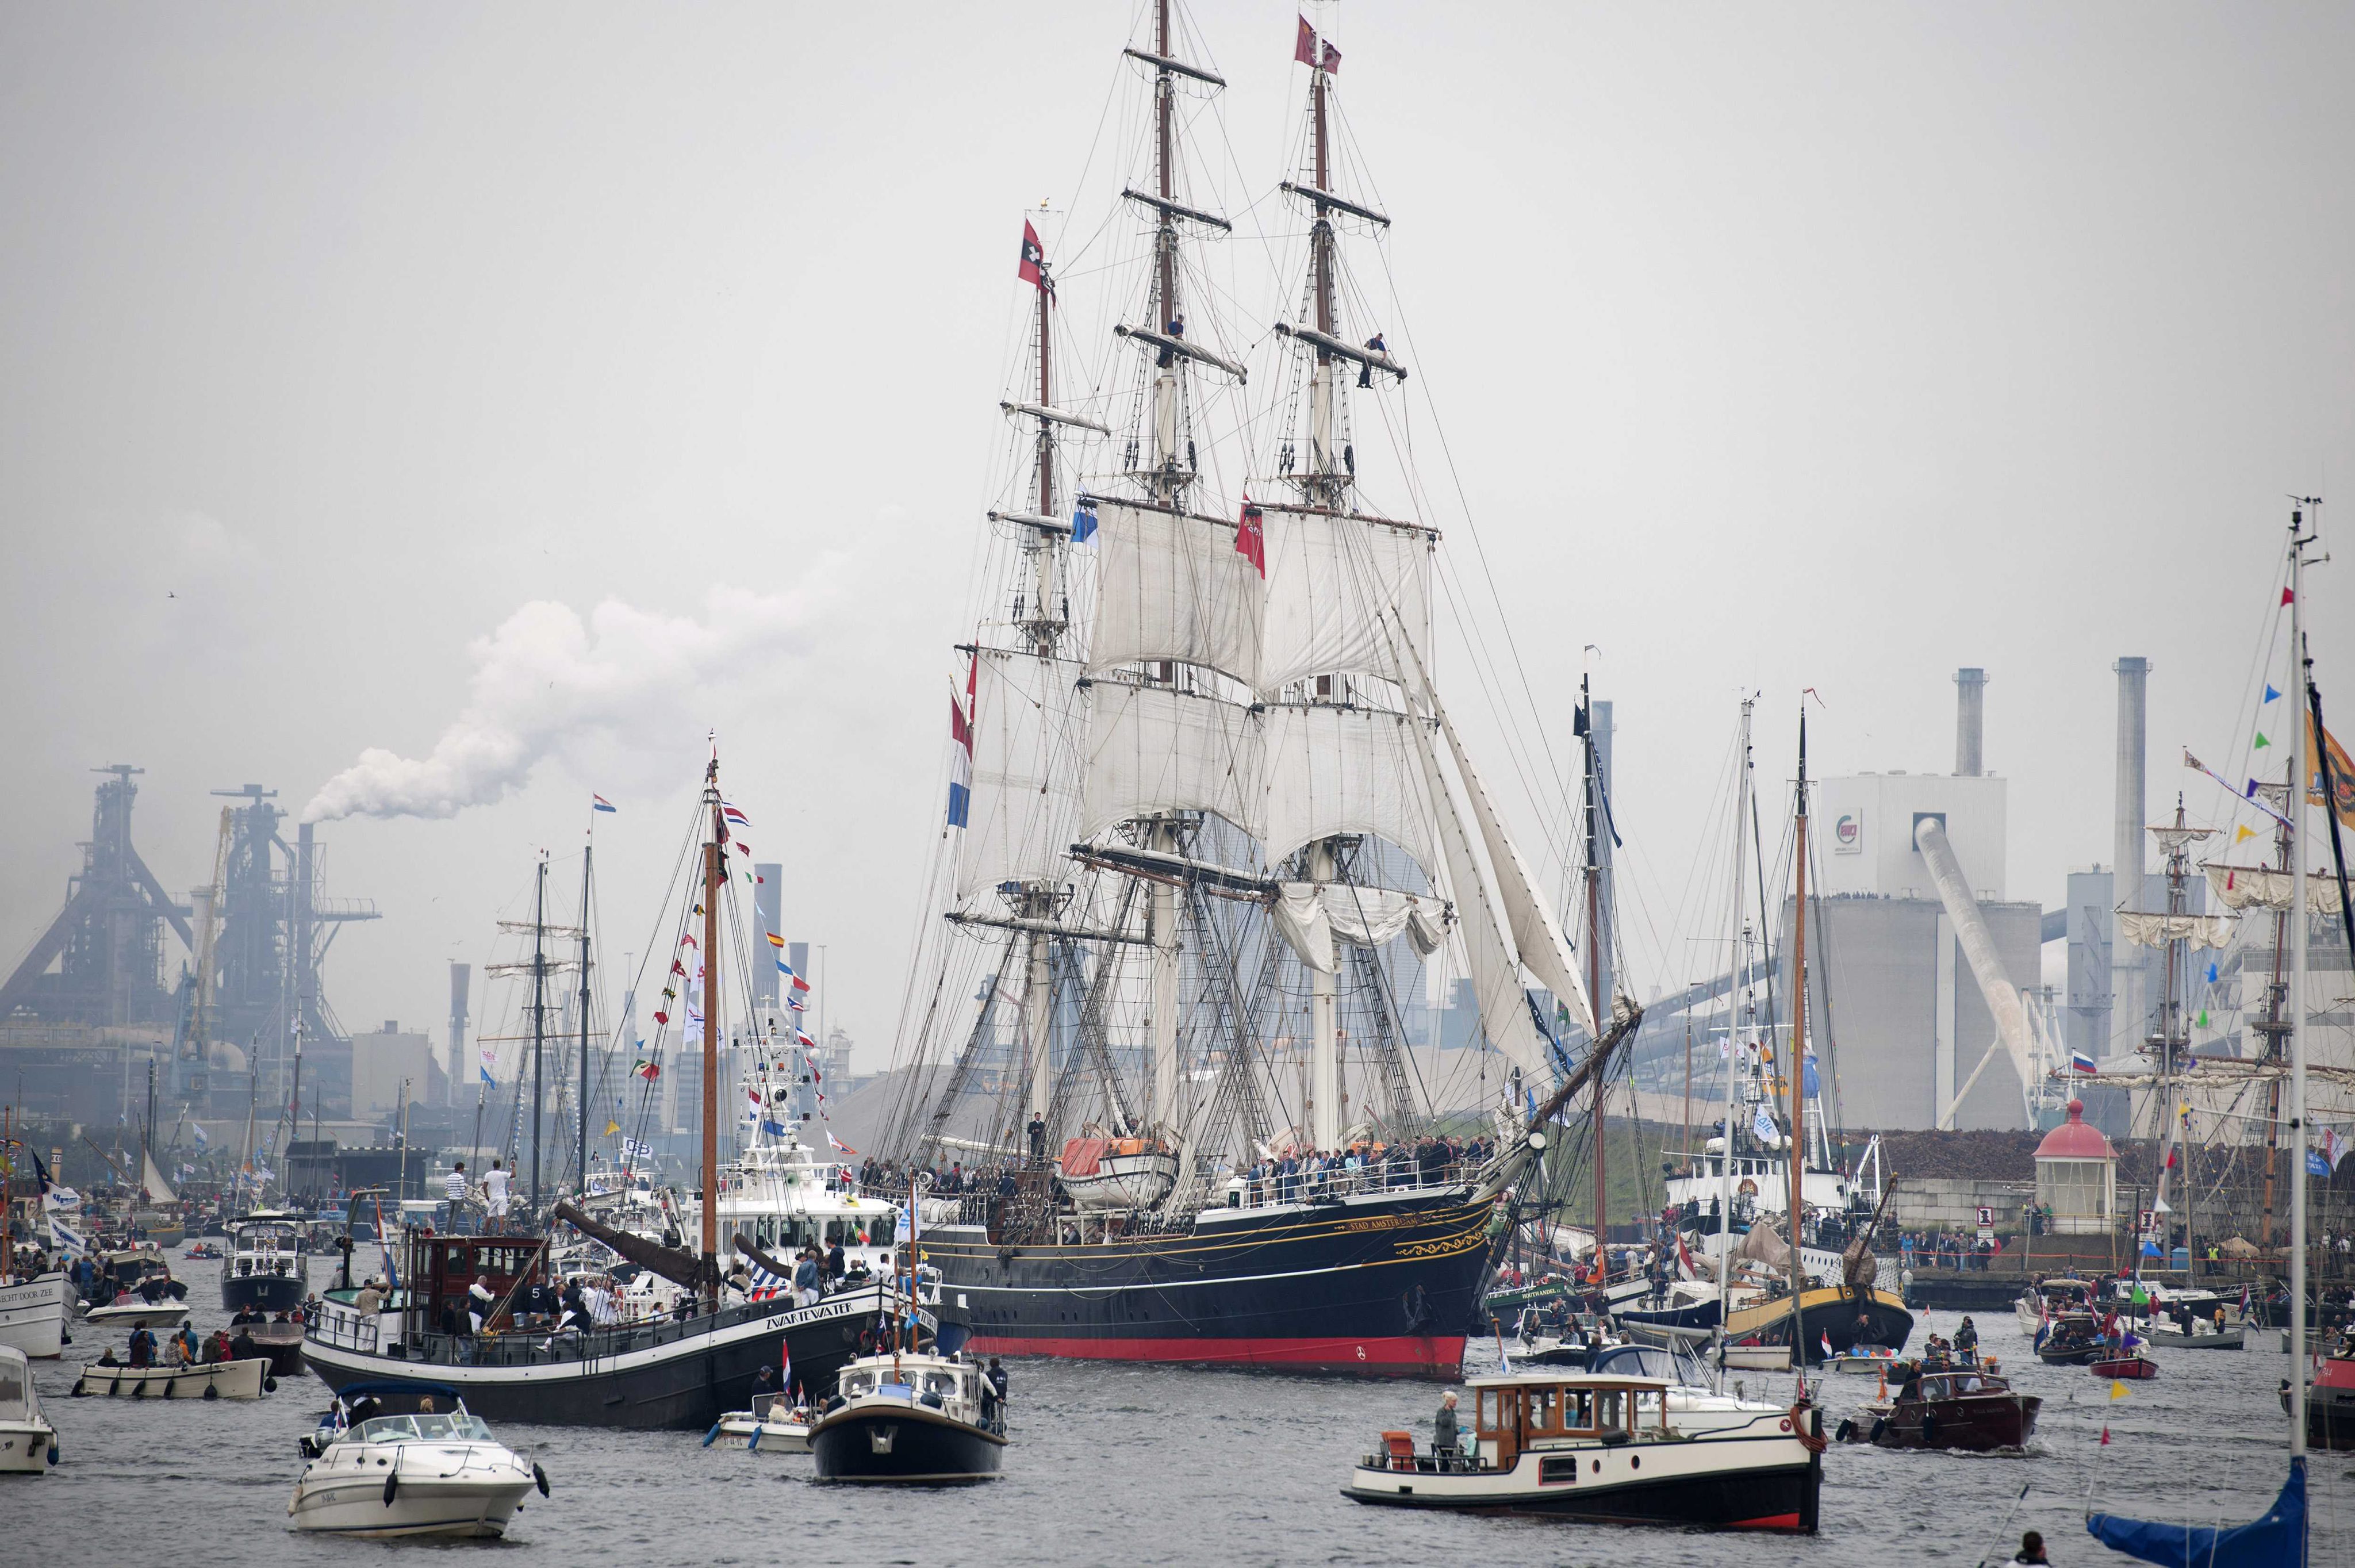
[(1279, 1190), (545, 1346)]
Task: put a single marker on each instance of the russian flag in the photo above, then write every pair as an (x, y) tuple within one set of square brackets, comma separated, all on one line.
[(2080, 1062), (598, 803), (961, 745)]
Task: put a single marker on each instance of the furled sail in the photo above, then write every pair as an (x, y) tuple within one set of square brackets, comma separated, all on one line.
[(2244, 887), (1539, 937), (1333, 582), (1312, 915), (1343, 770), (1170, 585), (2148, 930), (1029, 724), (1488, 954), (1154, 750)]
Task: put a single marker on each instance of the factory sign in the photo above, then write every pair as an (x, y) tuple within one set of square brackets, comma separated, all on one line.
[(1847, 834)]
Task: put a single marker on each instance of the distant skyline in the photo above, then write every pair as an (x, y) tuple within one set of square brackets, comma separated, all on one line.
[(526, 391)]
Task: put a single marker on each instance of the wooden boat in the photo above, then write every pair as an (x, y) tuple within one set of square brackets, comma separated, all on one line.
[(402, 1460), (2132, 1368), (248, 1378), (1827, 1313), (774, 1425), (1959, 1408), (907, 1418), (1583, 1446), (2070, 1343), (28, 1444)]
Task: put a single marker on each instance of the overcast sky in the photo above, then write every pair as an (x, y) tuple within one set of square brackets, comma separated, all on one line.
[(368, 367)]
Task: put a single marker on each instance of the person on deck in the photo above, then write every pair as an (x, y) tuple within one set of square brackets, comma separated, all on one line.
[(1374, 345), (1443, 1435), (495, 1199), (1966, 1341), (243, 1348)]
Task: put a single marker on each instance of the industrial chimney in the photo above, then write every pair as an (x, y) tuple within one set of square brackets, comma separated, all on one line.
[(1970, 720), (460, 978), (2127, 848)]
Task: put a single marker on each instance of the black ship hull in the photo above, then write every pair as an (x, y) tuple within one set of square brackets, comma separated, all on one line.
[(906, 1446), (1825, 1315), (677, 1377), (1786, 1499), (1380, 1285), (264, 1292)]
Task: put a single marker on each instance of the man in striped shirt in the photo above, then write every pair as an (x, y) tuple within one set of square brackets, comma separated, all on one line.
[(454, 1186)]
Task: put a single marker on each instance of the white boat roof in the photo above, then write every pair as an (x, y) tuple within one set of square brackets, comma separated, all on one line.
[(1565, 1379)]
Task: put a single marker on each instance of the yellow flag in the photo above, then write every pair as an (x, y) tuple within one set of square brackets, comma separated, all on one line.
[(2243, 831), (613, 1127), (2117, 1389), (2342, 771)]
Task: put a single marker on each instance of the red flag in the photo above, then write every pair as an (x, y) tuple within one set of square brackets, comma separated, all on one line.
[(1331, 64), (2105, 1437), (1034, 257), (2288, 596), (1251, 540), (1304, 50)]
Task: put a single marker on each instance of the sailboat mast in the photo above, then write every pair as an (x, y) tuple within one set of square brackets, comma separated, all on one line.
[(1168, 487), (2302, 674), (1793, 1153), (582, 1170), (1593, 950), (538, 1013), (1732, 1046), (711, 1028)]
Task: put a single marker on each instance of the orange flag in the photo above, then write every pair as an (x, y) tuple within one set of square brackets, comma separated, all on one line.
[(2342, 773)]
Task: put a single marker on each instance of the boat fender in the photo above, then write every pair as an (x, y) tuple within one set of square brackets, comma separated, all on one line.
[(211, 1391), (752, 1444), (1846, 1431), (78, 1391), (53, 1453), (540, 1478), (1929, 1428), (391, 1485), (1879, 1426), (139, 1389), (268, 1384), (711, 1436)]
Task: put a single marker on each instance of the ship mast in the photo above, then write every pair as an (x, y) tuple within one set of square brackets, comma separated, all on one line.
[(711, 1033), (2301, 676), (1792, 1071), (1594, 956), (538, 1013), (582, 1170)]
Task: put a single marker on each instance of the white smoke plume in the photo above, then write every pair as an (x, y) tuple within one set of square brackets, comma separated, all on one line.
[(548, 684)]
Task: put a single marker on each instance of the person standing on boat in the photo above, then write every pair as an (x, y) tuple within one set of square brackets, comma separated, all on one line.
[(1966, 1341), (995, 1378), (807, 1279), (1444, 1436), (1038, 1137), (495, 1198)]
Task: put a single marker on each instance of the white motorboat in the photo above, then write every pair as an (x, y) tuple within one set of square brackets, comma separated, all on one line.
[(2049, 1300), (910, 1418), (137, 1314), (34, 1315), (1695, 1407), (28, 1444), (774, 1425), (403, 1459), (249, 1379), (1604, 1447)]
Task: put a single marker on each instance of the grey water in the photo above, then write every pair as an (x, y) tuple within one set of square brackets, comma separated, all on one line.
[(1138, 1465)]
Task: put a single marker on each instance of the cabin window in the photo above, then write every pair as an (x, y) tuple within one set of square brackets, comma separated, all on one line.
[(1651, 1410), (1608, 1414), (1486, 1420), (765, 1232), (1577, 1410), (1557, 1470), (1545, 1410)]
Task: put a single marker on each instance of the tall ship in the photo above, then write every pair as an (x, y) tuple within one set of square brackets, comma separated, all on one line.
[(1210, 820)]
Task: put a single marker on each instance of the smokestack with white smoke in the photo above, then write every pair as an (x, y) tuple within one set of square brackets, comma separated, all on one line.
[(546, 684)]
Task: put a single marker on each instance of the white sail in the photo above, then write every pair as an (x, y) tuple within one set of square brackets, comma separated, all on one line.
[(1029, 725), (1152, 750), (1333, 582), (1343, 769), (2151, 930), (157, 1188), (2242, 887), (1313, 915), (1172, 586), (1495, 969), (1535, 931)]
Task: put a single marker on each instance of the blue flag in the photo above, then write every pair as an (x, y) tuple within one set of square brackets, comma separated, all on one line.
[(2270, 692), (2315, 1164), (1083, 523)]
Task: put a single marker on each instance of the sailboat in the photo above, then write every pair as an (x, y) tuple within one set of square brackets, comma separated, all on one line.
[(2277, 1539), (451, 1318), (1206, 797)]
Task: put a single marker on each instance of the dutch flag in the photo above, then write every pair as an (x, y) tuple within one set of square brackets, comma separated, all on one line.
[(598, 803), (961, 745)]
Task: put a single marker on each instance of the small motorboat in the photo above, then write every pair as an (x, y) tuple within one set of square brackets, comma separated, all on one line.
[(28, 1444), (248, 1378), (2195, 1338), (1865, 1362), (2073, 1341), (913, 1417), (408, 1459), (281, 1345), (265, 1270), (202, 1250), (1756, 1358), (2049, 1300), (774, 1425), (2329, 1399), (1960, 1408), (2132, 1367), (138, 1313), (1605, 1449)]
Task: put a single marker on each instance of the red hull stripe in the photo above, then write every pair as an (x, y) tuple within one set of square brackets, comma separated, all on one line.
[(1770, 1521), (1442, 1354)]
